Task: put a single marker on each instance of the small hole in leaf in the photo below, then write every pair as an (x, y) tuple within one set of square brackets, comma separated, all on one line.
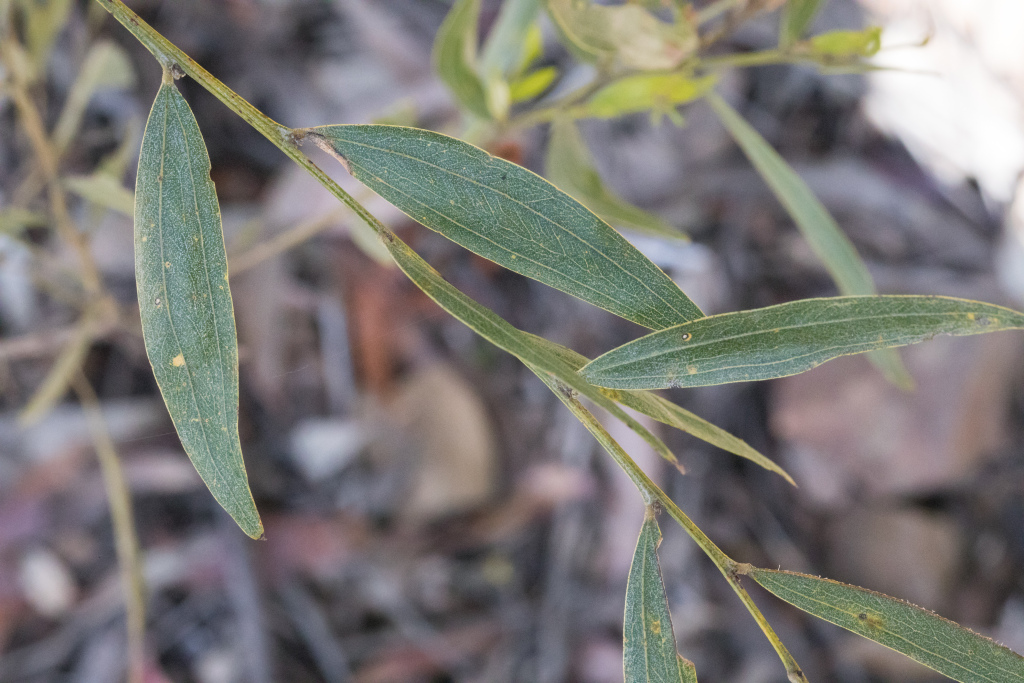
[(685, 336)]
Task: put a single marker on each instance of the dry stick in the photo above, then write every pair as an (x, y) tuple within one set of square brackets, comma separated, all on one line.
[(170, 56), (125, 540)]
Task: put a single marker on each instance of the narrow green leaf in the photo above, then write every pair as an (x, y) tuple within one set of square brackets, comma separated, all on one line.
[(648, 641), (816, 224), (455, 57), (796, 18), (660, 93), (789, 338), (570, 166), (923, 636), (187, 317), (667, 412), (527, 347), (509, 215)]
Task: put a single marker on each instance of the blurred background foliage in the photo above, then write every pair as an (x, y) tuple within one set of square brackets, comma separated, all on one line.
[(431, 513)]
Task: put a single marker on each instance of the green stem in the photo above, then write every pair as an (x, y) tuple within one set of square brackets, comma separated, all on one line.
[(652, 494), (172, 59)]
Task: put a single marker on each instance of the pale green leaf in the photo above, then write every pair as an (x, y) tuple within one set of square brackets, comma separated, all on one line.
[(629, 33), (648, 641), (102, 189), (509, 215), (796, 18), (816, 224), (864, 43), (659, 93), (455, 57), (570, 166), (667, 412), (187, 317), (532, 84), (789, 338), (917, 633)]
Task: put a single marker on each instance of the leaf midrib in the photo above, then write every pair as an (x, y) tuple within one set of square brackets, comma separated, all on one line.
[(169, 101)]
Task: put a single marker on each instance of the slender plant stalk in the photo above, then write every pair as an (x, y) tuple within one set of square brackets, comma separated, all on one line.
[(286, 139), (125, 540)]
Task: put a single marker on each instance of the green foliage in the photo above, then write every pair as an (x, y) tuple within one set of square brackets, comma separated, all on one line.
[(513, 217), (509, 215), (188, 321), (789, 338), (658, 93), (917, 633), (648, 641)]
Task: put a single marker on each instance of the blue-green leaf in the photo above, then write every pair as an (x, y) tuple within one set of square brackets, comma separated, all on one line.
[(782, 340), (509, 215), (188, 320)]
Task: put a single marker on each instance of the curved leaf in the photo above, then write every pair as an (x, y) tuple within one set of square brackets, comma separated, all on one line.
[(648, 641), (924, 636), (509, 215), (187, 317), (789, 338)]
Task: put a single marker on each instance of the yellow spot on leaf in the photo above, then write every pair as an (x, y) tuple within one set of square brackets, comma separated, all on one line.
[(656, 626), (971, 316), (167, 264), (178, 361), (691, 369)]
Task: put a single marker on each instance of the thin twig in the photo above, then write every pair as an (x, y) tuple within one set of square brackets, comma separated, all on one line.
[(125, 540)]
